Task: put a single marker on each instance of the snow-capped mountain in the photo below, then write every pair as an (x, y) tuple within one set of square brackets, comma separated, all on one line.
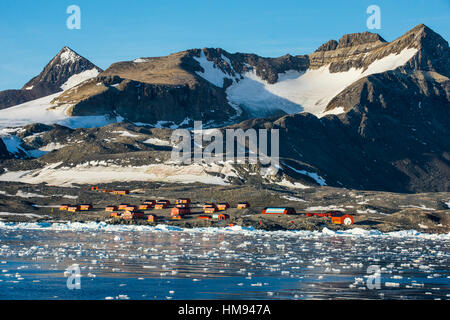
[(65, 70), (358, 113), (222, 88)]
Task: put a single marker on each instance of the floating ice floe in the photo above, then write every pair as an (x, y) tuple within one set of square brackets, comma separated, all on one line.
[(103, 226)]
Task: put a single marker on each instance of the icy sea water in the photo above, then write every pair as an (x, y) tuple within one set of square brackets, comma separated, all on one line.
[(207, 264)]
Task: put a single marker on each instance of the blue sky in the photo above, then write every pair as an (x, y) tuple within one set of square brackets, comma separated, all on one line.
[(32, 32)]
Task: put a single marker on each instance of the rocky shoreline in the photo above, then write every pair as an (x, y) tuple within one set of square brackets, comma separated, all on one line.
[(383, 211)]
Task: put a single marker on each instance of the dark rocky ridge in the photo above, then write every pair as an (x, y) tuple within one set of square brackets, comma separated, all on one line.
[(150, 103), (362, 49), (404, 149), (13, 97), (266, 68), (367, 148), (328, 46), (352, 39)]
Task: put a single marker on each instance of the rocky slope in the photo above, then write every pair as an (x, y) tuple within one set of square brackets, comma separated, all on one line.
[(341, 151), (425, 212), (171, 89), (394, 133), (56, 73)]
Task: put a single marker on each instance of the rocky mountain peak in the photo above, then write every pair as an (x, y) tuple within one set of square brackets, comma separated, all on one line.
[(420, 36), (353, 39), (67, 55), (54, 78), (64, 65), (433, 54), (328, 46)]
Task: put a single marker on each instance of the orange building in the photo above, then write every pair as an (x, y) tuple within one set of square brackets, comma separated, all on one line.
[(144, 207), (86, 207), (180, 211), (64, 207), (243, 205), (122, 206), (73, 208), (121, 192), (162, 204), (209, 208), (115, 215), (223, 216), (149, 202), (183, 201), (223, 206), (133, 215), (278, 210)]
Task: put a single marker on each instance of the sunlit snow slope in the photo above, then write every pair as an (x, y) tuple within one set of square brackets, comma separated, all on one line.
[(294, 92), (41, 111)]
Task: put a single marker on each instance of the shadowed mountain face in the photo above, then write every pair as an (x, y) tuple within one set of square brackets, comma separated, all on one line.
[(56, 73), (368, 147), (394, 134), (3, 150)]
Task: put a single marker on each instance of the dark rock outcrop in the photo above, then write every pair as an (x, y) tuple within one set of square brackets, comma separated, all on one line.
[(3, 150), (328, 46), (350, 40), (150, 103)]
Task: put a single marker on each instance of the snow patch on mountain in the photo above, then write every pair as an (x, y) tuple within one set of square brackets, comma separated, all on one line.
[(293, 185), (313, 175), (295, 91), (38, 111), (140, 60), (14, 144), (211, 72), (52, 146), (69, 56), (94, 173), (126, 134), (157, 142), (76, 79)]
